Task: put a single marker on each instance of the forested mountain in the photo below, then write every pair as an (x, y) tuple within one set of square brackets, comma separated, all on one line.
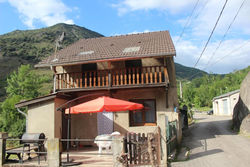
[(187, 73), (30, 46), (200, 91)]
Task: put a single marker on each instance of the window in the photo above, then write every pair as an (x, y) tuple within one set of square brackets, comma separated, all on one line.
[(133, 63), (146, 116)]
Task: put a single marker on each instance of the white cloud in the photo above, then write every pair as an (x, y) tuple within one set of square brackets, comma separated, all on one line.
[(203, 24), (48, 12), (223, 61), (139, 32), (170, 5), (199, 28), (134, 32)]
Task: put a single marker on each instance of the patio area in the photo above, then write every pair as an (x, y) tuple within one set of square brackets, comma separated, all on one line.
[(86, 156)]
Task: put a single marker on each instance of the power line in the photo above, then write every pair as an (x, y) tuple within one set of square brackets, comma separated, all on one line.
[(226, 33), (189, 19), (201, 9), (218, 60), (211, 34), (241, 46), (207, 65)]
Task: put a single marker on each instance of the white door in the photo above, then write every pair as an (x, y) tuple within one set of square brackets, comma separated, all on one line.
[(225, 106), (105, 122)]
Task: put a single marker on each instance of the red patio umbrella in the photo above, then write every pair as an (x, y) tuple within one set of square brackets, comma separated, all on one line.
[(99, 105), (104, 103)]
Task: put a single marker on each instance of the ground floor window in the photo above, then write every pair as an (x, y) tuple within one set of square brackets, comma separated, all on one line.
[(146, 116)]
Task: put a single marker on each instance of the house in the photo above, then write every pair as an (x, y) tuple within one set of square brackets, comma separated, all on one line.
[(136, 67), (224, 104)]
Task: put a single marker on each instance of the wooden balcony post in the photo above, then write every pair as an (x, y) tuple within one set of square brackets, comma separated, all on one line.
[(166, 75), (109, 81), (61, 81), (90, 79), (160, 76), (77, 80), (113, 77), (103, 78), (125, 76), (94, 79), (146, 75), (73, 80), (64, 81), (121, 76), (85, 80), (151, 75), (108, 78), (117, 77), (142, 76), (129, 76), (137, 76), (98, 79), (69, 77), (155, 74), (81, 75), (58, 81), (133, 72)]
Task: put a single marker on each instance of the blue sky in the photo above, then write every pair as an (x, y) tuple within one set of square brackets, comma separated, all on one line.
[(115, 17)]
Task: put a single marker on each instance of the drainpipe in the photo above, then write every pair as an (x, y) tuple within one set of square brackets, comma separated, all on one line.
[(26, 118), (54, 78), (54, 85)]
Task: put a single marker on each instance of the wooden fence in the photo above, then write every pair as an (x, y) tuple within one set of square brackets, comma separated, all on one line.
[(143, 149)]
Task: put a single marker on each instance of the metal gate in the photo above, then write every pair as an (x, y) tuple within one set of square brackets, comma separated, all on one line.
[(143, 149), (171, 136)]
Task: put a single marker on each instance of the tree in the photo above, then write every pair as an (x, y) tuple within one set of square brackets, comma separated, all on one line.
[(21, 85), (24, 83)]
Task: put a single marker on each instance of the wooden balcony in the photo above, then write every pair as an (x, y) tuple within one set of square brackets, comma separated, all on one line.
[(127, 77)]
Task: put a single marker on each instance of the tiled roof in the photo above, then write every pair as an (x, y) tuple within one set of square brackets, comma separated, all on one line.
[(116, 47), (227, 94)]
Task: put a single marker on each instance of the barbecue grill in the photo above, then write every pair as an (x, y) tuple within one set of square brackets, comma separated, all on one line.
[(35, 140)]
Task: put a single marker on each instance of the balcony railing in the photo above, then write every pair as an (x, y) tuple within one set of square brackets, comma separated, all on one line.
[(113, 78)]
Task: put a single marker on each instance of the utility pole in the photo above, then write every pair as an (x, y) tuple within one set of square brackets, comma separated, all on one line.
[(180, 90)]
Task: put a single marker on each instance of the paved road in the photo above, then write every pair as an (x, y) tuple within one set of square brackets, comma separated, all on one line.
[(213, 144)]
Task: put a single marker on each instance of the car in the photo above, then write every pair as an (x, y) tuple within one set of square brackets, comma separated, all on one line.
[(210, 112)]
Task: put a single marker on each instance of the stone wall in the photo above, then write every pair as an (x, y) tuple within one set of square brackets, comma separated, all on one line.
[(242, 108)]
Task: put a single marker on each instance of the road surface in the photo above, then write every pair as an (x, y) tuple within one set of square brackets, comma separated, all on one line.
[(213, 144)]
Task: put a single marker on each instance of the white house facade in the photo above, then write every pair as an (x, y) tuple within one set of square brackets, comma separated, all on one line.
[(224, 104)]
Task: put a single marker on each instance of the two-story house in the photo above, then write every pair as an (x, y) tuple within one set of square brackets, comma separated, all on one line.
[(136, 67)]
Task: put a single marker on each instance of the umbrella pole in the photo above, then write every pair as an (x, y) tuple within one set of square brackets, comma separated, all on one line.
[(69, 162), (68, 135)]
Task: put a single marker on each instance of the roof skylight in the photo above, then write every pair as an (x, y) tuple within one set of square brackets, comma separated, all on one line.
[(86, 52), (131, 49)]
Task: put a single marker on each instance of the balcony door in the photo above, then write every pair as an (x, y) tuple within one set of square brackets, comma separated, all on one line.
[(88, 74), (133, 66)]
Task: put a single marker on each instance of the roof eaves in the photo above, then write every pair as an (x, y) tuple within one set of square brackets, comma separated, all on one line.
[(110, 59), (35, 100), (226, 94), (42, 65)]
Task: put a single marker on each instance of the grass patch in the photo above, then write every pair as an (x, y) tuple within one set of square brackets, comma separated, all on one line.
[(202, 109)]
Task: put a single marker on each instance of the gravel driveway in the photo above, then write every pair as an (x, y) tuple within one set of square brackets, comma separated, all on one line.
[(213, 144)]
